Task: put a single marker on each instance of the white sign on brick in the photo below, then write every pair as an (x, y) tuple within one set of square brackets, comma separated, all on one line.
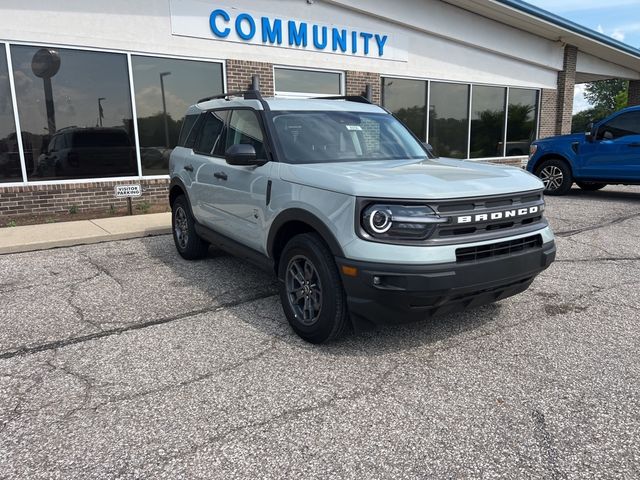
[(128, 191)]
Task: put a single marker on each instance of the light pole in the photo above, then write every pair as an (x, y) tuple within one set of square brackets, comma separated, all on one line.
[(100, 111), (164, 109)]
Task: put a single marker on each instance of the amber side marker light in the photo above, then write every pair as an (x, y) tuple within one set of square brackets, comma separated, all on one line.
[(350, 271)]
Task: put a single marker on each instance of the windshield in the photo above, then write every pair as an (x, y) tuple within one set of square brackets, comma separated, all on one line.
[(318, 137)]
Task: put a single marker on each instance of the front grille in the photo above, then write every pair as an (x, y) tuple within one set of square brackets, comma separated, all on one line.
[(454, 208), (471, 254)]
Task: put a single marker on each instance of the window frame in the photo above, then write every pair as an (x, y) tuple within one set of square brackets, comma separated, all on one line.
[(200, 122), (429, 81), (602, 128), (286, 94), (128, 53)]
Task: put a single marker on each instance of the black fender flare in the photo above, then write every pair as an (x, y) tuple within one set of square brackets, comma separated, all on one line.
[(300, 215)]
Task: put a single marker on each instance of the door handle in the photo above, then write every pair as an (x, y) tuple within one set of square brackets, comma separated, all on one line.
[(188, 168), (634, 144), (220, 175)]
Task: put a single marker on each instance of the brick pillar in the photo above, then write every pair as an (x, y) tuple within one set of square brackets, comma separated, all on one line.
[(356, 83), (548, 113), (634, 93), (556, 106), (239, 73), (566, 86)]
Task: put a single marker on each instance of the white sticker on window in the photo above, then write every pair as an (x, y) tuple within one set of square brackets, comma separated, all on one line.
[(356, 128)]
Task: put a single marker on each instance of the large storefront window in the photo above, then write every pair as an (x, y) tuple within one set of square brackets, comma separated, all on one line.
[(487, 121), (449, 119), (291, 82), (522, 121), (75, 113), (164, 89), (407, 100), (9, 154)]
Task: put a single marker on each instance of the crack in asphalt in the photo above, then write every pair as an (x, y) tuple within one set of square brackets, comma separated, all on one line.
[(545, 441), (614, 221), (30, 350)]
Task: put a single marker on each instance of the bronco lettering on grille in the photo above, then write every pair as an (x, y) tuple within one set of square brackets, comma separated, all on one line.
[(486, 217)]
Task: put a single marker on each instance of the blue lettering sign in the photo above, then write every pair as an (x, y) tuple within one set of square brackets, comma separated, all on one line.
[(381, 40), (338, 39), (212, 23), (272, 34), (252, 26), (297, 36), (320, 45), (366, 37)]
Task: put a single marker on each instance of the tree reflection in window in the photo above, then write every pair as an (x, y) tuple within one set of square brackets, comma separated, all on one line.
[(164, 89), (522, 121)]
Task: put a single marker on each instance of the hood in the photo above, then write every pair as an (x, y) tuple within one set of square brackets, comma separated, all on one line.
[(412, 179), (573, 137)]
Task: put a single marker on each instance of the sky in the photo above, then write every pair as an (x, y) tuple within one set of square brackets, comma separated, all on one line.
[(619, 19)]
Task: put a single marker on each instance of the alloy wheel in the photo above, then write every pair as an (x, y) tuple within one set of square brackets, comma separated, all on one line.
[(304, 289), (552, 177), (181, 227)]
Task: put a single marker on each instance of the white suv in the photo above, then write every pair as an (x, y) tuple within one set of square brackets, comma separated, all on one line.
[(358, 220)]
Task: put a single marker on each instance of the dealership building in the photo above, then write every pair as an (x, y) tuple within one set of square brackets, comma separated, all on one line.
[(93, 94)]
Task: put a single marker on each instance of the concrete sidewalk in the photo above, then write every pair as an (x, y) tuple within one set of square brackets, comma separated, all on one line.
[(66, 234)]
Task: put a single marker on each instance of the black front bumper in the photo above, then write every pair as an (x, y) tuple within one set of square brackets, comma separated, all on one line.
[(386, 293)]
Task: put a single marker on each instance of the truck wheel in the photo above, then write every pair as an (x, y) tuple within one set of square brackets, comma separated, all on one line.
[(311, 290), (190, 246), (556, 176), (591, 186)]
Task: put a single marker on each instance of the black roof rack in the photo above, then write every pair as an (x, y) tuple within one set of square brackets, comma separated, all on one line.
[(348, 98), (247, 94)]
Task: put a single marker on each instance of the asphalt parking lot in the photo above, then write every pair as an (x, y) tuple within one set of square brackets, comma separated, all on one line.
[(120, 360)]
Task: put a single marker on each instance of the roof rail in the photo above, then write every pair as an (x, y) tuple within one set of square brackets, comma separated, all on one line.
[(348, 98), (247, 94), (252, 93)]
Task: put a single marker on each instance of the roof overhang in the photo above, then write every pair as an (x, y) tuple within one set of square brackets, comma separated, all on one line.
[(537, 21)]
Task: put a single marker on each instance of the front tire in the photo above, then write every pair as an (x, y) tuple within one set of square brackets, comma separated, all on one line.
[(591, 186), (311, 291), (556, 176), (189, 245)]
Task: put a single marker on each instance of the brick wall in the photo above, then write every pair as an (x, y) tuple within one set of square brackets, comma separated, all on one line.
[(634, 93), (356, 83), (239, 73), (548, 113), (85, 197)]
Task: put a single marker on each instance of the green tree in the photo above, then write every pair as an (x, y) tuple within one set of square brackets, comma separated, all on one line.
[(606, 97), (606, 94)]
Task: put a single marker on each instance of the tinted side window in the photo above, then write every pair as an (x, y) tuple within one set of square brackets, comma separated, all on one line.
[(209, 135), (187, 125), (244, 128), (622, 126)]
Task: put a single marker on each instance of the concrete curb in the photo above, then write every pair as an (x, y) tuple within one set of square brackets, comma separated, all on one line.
[(68, 234)]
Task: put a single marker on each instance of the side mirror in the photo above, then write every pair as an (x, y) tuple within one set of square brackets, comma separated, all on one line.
[(607, 135), (589, 134), (242, 154)]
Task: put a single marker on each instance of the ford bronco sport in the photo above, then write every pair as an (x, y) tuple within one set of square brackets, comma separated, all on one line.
[(358, 220)]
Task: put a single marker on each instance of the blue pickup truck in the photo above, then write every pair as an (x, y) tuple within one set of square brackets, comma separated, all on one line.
[(609, 153)]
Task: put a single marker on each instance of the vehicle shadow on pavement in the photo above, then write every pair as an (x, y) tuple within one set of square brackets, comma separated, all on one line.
[(259, 307)]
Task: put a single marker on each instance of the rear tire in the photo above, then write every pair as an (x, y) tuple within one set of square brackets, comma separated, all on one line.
[(311, 291), (189, 245), (556, 176), (591, 186)]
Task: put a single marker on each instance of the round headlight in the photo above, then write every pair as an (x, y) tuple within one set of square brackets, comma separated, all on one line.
[(380, 221)]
